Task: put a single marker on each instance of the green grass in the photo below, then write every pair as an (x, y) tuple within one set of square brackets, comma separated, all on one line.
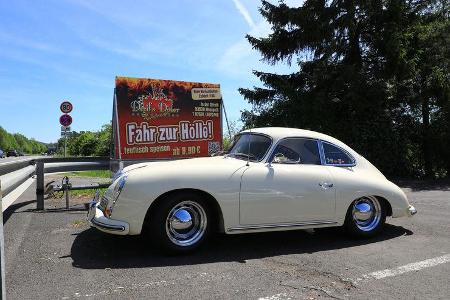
[(98, 173), (81, 193)]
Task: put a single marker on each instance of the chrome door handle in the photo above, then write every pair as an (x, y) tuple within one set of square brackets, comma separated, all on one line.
[(325, 185)]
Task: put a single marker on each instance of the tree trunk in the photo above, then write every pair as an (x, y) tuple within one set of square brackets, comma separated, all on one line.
[(426, 143)]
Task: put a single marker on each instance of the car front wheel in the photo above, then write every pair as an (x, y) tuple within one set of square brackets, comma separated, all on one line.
[(180, 222), (365, 217)]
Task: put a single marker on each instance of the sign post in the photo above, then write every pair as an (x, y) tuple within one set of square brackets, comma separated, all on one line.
[(65, 120)]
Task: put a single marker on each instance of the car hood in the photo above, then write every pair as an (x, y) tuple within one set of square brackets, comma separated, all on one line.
[(193, 164)]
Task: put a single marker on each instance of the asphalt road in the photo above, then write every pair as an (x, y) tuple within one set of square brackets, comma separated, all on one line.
[(55, 255)]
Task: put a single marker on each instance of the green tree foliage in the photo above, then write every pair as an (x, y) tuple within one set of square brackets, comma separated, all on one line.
[(19, 142), (374, 74), (231, 130), (87, 143)]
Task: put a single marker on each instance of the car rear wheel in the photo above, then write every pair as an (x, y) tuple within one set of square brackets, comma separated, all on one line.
[(180, 222), (365, 217)]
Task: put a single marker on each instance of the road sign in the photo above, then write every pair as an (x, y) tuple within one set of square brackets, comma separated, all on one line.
[(64, 128), (65, 120), (66, 107)]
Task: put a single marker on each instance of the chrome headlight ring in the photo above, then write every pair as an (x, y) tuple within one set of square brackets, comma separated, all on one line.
[(120, 184), (118, 174)]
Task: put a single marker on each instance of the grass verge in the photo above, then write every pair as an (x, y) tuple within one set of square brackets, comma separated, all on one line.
[(97, 173), (88, 193)]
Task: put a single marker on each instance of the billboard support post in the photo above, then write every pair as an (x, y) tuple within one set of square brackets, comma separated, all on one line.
[(226, 120)]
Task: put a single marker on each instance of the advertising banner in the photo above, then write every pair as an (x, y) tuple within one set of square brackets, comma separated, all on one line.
[(164, 119)]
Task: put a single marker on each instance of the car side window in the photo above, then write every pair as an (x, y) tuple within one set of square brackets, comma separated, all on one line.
[(336, 156), (297, 151)]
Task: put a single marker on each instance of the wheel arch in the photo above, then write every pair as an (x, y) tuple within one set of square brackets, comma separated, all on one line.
[(387, 205), (211, 200)]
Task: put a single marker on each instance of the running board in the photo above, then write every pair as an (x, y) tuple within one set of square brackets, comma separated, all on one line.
[(281, 225)]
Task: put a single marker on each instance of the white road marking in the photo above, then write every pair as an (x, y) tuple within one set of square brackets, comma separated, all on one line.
[(416, 266), (15, 194), (281, 296)]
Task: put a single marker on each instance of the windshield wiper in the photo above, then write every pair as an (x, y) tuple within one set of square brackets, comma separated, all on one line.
[(244, 155)]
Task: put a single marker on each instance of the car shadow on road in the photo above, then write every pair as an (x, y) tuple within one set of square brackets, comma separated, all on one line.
[(93, 249)]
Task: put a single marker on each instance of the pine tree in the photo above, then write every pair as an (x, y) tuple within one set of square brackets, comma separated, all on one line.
[(350, 61)]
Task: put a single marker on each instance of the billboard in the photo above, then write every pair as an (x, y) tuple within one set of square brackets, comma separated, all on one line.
[(164, 119)]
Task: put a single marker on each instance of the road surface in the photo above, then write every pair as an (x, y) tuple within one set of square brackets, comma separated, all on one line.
[(55, 255)]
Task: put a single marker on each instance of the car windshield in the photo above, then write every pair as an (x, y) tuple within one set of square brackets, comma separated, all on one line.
[(250, 146)]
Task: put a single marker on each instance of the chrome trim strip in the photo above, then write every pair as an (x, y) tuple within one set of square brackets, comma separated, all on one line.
[(322, 153), (281, 225), (107, 226)]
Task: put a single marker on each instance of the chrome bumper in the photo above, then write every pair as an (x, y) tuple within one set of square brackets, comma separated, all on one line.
[(98, 220), (412, 211)]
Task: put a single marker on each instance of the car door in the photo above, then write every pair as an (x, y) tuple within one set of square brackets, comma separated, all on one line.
[(294, 187)]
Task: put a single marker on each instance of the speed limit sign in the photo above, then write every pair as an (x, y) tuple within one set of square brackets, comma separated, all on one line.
[(66, 107)]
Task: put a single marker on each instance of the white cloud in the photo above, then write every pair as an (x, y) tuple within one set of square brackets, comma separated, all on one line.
[(244, 12)]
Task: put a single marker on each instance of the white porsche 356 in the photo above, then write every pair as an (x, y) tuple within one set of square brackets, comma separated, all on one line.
[(271, 179)]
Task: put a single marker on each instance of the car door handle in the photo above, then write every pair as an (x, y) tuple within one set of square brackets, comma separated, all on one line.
[(325, 185)]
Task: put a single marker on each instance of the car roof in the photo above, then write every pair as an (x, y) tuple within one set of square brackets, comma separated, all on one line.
[(278, 133)]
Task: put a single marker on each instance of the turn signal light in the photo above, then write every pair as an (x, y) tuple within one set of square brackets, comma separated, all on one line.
[(108, 212)]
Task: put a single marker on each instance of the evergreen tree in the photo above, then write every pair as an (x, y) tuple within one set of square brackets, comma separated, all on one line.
[(352, 65)]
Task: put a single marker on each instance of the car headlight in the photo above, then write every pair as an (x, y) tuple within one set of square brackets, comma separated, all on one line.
[(120, 184)]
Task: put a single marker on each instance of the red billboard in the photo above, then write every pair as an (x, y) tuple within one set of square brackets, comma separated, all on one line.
[(161, 119)]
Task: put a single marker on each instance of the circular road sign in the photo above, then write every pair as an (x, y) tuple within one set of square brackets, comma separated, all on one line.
[(66, 107), (65, 120)]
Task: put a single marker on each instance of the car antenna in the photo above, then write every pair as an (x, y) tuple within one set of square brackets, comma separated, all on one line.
[(249, 145)]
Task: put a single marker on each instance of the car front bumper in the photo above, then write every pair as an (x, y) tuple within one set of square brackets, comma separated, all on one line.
[(98, 220)]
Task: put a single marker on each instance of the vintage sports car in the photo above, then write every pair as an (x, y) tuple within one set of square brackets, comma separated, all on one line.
[(271, 179)]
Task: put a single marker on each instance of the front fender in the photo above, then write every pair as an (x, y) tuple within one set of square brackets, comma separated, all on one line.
[(143, 187)]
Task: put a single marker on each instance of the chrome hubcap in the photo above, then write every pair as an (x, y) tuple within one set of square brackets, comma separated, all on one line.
[(186, 223), (181, 220), (366, 213)]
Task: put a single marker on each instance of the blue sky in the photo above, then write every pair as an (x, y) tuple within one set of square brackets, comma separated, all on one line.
[(72, 49)]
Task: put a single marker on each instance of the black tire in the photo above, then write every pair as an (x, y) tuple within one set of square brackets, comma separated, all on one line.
[(365, 228), (162, 231)]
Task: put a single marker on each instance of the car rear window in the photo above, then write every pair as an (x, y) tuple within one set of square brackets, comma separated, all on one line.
[(336, 156)]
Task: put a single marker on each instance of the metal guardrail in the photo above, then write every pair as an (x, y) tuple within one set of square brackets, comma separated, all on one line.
[(14, 165), (2, 253), (14, 173), (52, 165)]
